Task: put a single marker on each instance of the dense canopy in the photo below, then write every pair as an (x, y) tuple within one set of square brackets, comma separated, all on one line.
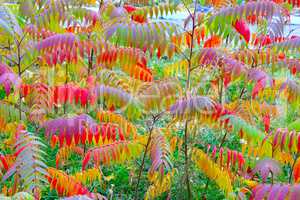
[(141, 99)]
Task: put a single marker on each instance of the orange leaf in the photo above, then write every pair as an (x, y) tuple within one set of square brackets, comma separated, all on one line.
[(296, 171), (213, 41)]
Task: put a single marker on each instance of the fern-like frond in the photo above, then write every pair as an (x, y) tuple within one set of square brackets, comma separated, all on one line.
[(9, 23), (117, 152), (67, 41), (139, 2), (54, 10), (69, 93), (175, 68), (291, 90), (212, 171), (287, 45), (65, 152), (258, 109), (276, 28), (69, 128), (159, 153), (39, 99), (67, 47), (228, 15), (250, 133), (210, 57), (88, 176), (6, 162), (64, 184), (116, 97), (261, 79), (256, 57), (9, 113), (131, 60), (8, 79), (159, 184), (232, 70), (55, 13), (160, 95), (114, 79), (43, 98), (230, 159), (128, 129), (293, 3), (159, 10), (81, 128), (218, 4), (292, 64), (265, 167), (284, 140), (148, 36), (185, 39), (37, 34), (29, 165), (249, 109), (280, 191), (190, 107)]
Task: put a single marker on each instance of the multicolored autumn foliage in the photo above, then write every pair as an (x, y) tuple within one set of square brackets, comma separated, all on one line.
[(110, 100)]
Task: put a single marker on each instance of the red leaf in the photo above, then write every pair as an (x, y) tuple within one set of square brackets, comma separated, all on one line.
[(4, 163), (68, 138), (129, 8), (227, 79), (296, 171), (121, 135), (221, 155), (158, 53), (281, 56), (54, 140), (283, 139), (61, 138), (86, 160), (97, 135), (90, 136), (55, 95), (242, 28), (291, 140), (83, 136), (20, 150), (234, 154), (83, 97), (112, 108), (241, 160), (57, 162), (228, 157), (262, 40), (266, 121), (293, 70)]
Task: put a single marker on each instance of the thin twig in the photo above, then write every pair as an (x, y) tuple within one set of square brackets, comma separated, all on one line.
[(187, 87), (292, 168), (154, 120)]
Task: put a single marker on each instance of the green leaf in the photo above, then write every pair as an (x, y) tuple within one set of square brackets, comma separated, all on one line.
[(2, 94), (294, 125)]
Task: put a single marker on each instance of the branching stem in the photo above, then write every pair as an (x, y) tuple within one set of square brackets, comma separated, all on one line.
[(155, 118), (187, 87)]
